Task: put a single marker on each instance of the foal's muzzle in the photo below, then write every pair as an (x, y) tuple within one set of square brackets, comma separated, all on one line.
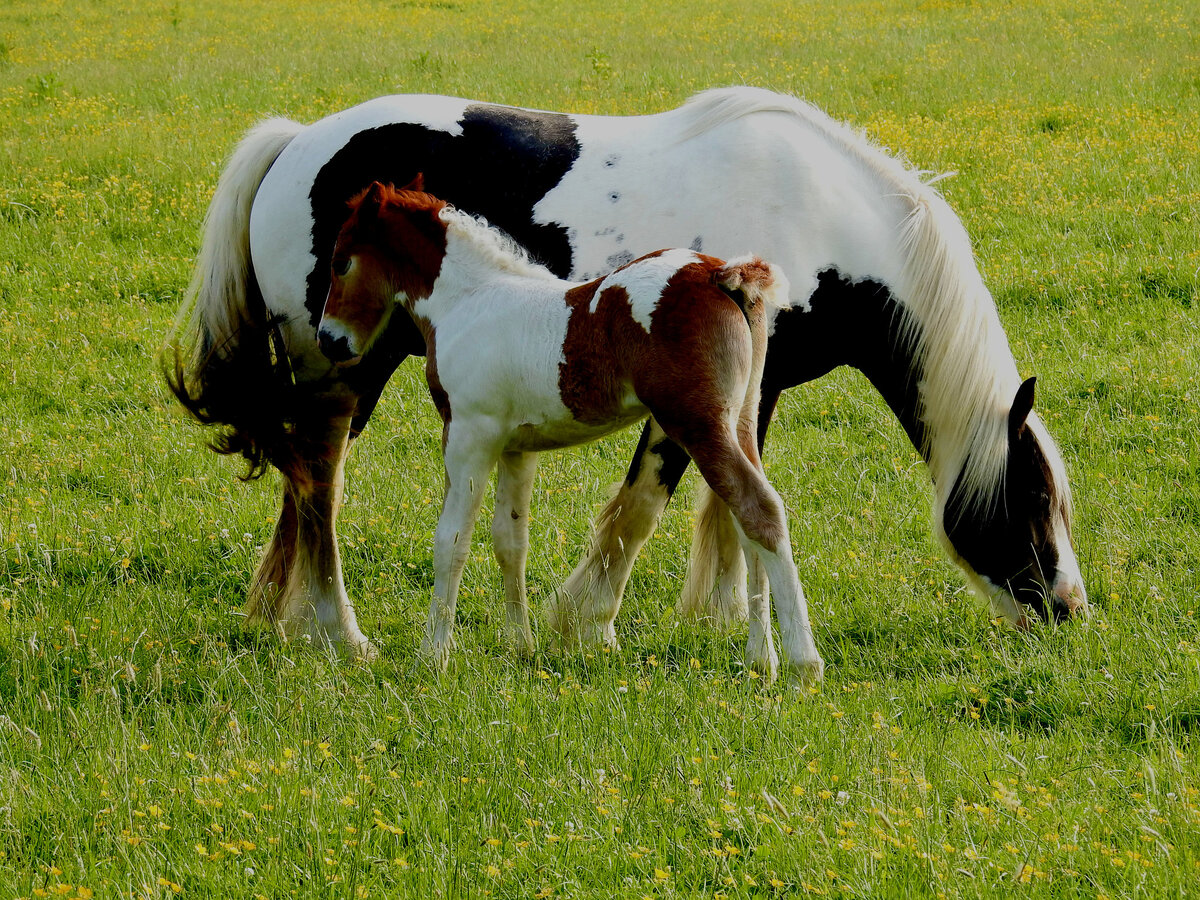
[(336, 348)]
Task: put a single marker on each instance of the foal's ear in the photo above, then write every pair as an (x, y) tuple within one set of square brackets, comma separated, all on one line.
[(372, 200), (417, 184), (1021, 408)]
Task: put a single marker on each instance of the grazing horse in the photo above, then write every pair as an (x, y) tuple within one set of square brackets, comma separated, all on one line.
[(520, 361), (882, 279)]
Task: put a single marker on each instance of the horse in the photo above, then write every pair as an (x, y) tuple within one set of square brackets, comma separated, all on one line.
[(519, 361), (882, 277)]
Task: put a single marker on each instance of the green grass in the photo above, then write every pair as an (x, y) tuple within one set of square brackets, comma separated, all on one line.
[(149, 747)]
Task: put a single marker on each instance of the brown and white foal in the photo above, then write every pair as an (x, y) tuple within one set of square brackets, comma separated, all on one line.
[(520, 361)]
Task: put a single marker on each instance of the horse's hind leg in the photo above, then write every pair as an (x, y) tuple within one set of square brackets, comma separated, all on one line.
[(715, 588), (586, 607), (271, 577), (510, 538), (760, 644)]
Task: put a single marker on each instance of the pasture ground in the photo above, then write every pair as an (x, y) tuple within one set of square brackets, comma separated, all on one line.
[(149, 748)]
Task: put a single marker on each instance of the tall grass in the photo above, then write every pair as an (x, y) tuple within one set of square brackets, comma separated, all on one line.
[(148, 747)]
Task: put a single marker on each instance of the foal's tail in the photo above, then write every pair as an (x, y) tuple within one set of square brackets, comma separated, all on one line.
[(760, 289), (224, 359)]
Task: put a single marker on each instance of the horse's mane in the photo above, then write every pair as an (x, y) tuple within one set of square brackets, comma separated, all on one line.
[(490, 246), (968, 375)]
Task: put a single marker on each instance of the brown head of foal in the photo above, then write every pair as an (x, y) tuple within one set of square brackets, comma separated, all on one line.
[(392, 244)]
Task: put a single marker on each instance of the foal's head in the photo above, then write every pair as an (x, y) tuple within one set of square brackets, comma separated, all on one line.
[(389, 250), (1016, 544)]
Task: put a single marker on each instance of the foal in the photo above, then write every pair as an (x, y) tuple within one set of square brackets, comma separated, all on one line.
[(520, 361)]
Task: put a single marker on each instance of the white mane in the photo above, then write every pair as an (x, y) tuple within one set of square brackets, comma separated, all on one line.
[(969, 376)]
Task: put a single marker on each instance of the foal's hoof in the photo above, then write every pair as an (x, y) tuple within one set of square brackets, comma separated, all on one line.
[(436, 657), (808, 673), (765, 662)]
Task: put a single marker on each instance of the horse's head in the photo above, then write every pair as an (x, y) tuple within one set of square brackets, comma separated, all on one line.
[(1016, 544), (389, 250)]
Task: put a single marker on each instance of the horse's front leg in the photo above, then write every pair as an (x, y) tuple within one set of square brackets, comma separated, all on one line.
[(469, 460), (298, 588), (586, 607), (510, 539)]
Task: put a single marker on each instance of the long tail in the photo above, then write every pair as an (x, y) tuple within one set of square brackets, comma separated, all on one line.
[(224, 359), (760, 289)]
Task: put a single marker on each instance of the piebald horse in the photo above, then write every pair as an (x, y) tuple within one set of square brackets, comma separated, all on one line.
[(519, 361), (882, 279)]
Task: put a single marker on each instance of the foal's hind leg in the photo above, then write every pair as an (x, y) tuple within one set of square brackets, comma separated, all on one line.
[(715, 588), (735, 475), (760, 643), (586, 607), (510, 538)]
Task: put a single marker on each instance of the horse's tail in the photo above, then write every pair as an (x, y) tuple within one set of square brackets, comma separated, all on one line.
[(225, 359), (760, 290)]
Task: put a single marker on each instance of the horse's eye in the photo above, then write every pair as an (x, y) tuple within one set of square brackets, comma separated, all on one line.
[(341, 266)]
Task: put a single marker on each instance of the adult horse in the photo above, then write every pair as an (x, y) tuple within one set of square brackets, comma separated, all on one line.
[(882, 274)]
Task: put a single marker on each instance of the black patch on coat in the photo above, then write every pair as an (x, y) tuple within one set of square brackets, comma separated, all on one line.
[(618, 259), (502, 164), (674, 458), (858, 323)]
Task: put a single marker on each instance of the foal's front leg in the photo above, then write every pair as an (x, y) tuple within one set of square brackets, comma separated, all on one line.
[(510, 539), (468, 464)]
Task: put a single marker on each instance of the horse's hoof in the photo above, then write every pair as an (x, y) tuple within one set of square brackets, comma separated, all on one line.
[(520, 643), (363, 650)]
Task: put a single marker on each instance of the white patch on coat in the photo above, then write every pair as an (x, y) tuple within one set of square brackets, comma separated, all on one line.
[(281, 223), (1068, 580), (644, 281), (500, 323)]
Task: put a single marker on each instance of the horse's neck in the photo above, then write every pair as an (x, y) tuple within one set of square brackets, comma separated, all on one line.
[(849, 323)]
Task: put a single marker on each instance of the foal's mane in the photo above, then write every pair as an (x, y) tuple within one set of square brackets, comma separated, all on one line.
[(488, 247), (948, 317)]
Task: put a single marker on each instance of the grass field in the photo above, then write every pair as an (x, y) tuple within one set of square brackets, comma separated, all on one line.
[(149, 748)]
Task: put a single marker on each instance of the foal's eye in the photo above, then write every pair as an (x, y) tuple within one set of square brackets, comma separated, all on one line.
[(341, 266)]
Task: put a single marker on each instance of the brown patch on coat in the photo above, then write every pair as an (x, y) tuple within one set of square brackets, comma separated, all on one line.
[(691, 371)]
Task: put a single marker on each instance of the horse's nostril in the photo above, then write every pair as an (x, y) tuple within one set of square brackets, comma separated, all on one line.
[(336, 349)]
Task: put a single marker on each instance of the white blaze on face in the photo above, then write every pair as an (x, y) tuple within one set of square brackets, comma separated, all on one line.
[(644, 281), (1068, 581)]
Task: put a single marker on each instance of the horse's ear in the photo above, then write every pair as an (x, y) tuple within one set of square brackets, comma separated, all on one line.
[(417, 184), (1021, 408)]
